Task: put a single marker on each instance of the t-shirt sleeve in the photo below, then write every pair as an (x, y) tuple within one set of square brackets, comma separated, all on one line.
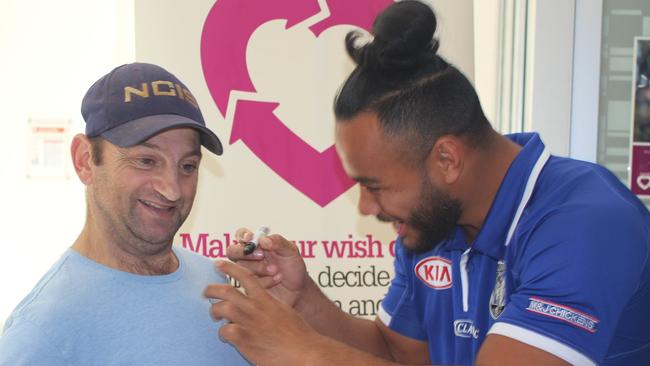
[(398, 310), (23, 343), (574, 274)]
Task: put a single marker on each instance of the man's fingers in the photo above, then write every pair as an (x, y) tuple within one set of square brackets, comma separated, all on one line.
[(233, 333), (224, 309), (269, 281), (223, 292), (236, 252), (259, 268), (246, 278), (229, 303), (243, 234), (278, 245)]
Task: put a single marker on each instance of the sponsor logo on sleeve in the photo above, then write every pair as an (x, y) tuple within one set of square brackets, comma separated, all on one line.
[(435, 272), (465, 328), (564, 313)]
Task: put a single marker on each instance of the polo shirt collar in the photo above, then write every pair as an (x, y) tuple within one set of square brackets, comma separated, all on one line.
[(491, 239)]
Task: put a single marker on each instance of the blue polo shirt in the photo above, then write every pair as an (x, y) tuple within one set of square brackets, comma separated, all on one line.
[(561, 264)]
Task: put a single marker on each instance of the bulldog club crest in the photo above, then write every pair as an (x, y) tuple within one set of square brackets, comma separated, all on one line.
[(497, 299)]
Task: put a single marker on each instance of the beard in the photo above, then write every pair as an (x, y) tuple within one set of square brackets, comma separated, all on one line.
[(434, 218)]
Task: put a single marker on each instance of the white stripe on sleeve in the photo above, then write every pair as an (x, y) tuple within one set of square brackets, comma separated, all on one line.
[(542, 342)]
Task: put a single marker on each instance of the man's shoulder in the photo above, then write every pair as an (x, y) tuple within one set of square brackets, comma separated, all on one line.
[(198, 265), (51, 283), (27, 343), (585, 191), (192, 258), (585, 212), (51, 301)]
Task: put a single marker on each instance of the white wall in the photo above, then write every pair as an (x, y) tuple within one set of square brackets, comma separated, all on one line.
[(456, 33), (52, 51), (301, 72), (549, 72), (486, 57), (586, 80)]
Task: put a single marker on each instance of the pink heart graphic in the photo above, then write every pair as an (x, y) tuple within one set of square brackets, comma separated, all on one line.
[(643, 181), (227, 29)]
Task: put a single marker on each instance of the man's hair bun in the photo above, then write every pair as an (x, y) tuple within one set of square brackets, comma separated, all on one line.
[(403, 38)]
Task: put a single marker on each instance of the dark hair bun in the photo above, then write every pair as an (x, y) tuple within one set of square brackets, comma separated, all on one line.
[(403, 38)]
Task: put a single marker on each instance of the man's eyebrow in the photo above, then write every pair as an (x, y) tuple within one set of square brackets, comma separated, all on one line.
[(365, 180), (150, 145)]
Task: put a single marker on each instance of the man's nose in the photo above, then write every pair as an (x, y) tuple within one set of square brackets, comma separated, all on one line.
[(368, 204), (167, 183)]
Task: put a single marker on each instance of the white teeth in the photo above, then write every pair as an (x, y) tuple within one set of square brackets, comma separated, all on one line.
[(155, 205)]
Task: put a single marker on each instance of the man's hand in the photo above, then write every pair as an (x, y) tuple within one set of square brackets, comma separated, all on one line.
[(276, 262), (265, 330)]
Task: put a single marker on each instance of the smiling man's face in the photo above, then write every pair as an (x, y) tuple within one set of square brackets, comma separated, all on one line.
[(391, 190), (141, 195)]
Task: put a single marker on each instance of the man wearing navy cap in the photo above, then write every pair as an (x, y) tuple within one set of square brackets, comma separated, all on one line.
[(122, 294)]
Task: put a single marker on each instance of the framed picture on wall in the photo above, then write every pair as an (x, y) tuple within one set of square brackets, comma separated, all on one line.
[(48, 144)]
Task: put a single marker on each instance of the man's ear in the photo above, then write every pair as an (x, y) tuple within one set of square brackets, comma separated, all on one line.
[(80, 150), (445, 160)]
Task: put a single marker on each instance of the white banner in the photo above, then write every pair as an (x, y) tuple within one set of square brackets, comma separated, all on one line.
[(265, 74)]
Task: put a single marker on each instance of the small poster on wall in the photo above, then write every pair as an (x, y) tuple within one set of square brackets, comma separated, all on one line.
[(640, 131), (48, 149)]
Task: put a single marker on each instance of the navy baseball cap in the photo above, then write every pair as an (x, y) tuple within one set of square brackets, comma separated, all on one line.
[(137, 101)]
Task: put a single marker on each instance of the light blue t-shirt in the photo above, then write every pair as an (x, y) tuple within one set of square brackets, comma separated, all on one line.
[(83, 313)]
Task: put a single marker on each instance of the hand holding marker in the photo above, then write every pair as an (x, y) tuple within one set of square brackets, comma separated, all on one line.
[(249, 247)]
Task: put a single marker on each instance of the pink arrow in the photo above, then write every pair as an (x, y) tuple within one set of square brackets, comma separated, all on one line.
[(319, 176), (226, 32), (358, 13)]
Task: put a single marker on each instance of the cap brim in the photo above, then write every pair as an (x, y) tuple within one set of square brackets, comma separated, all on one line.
[(139, 130)]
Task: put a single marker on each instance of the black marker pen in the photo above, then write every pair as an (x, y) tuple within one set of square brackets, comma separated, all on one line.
[(249, 247)]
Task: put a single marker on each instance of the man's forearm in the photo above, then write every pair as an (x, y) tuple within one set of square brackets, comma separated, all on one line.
[(332, 352), (324, 316)]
